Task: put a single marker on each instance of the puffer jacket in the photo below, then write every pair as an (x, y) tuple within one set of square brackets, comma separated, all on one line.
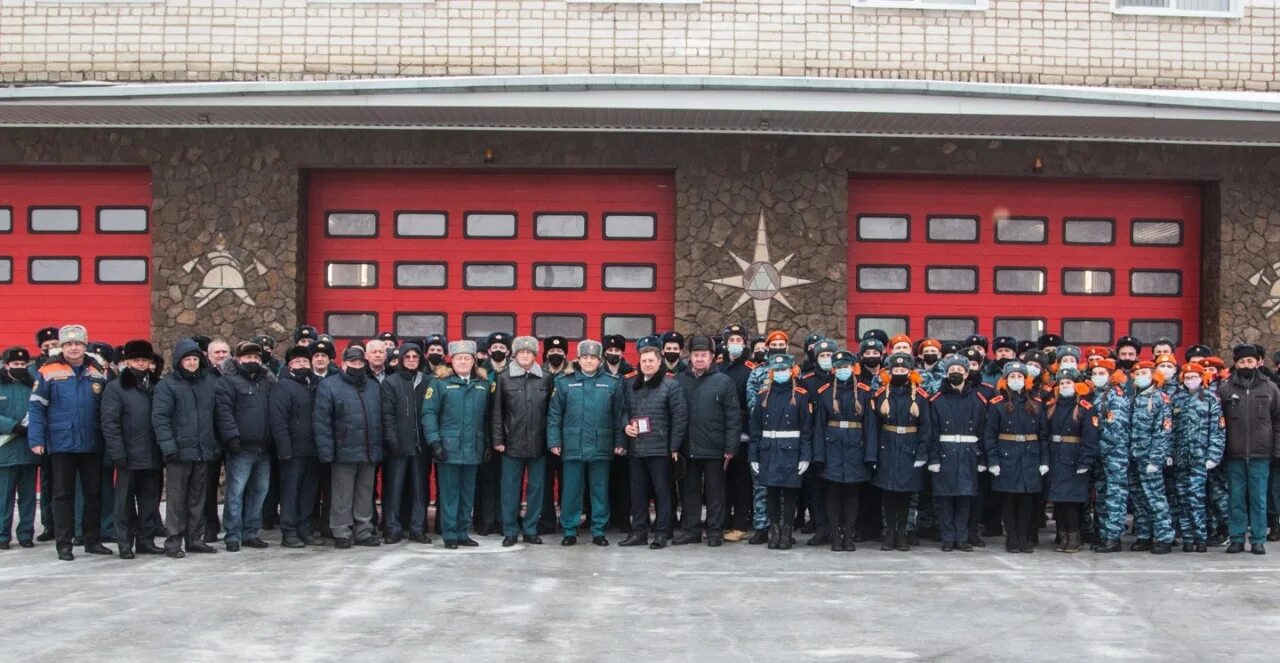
[(453, 415), (15, 397), (292, 405), (182, 410), (585, 419), (63, 416), (518, 411), (402, 393), (715, 418), (240, 410), (839, 431), (347, 419), (1252, 410), (127, 431), (662, 400)]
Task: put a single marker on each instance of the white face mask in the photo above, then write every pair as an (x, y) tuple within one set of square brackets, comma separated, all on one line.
[(1066, 390), (1101, 381), (1167, 372), (1192, 383), (1016, 384), (1033, 370), (1070, 363)]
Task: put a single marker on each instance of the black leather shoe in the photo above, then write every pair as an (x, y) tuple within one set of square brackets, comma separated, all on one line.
[(1188, 547), (1108, 546), (210, 537), (232, 546), (964, 547), (508, 541), (658, 544), (255, 543), (467, 542), (1141, 545), (759, 537), (26, 544), (311, 540), (176, 553), (45, 536), (77, 541), (292, 542), (947, 547), (451, 545), (634, 540), (419, 537), (65, 555), (125, 552), (533, 539), (683, 539), (1258, 549), (1235, 547), (977, 542), (714, 541), (569, 541), (1201, 547), (342, 544), (1161, 548), (4, 545), (819, 539), (97, 549), (201, 547), (369, 542), (148, 547), (599, 541)]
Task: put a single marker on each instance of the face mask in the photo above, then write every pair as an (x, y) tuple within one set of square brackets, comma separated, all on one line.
[(956, 379), (1033, 370), (1016, 384), (355, 372), (251, 370), (139, 375), (735, 350), (757, 357), (1001, 362), (897, 380), (671, 357), (435, 360), (1066, 390), (498, 356), (782, 377), (824, 363), (930, 358), (1167, 372), (555, 360), (1101, 381), (1126, 364), (1142, 381), (844, 373), (871, 362), (1192, 383), (613, 360), (1068, 363), (300, 373), (774, 352), (1246, 373)]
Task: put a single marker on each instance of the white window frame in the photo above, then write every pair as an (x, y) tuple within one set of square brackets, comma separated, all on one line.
[(1236, 10), (978, 5)]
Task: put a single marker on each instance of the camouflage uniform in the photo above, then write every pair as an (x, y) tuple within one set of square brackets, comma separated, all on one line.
[(1217, 503), (1111, 470), (1171, 389), (755, 383), (1152, 444), (1199, 435)]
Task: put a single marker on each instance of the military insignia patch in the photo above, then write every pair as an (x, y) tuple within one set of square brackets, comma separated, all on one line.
[(427, 396), (493, 386), (1168, 424), (1095, 421), (1111, 416), (97, 388)]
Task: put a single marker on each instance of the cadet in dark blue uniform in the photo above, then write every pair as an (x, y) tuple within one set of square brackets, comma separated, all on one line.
[(899, 428), (955, 453), (814, 490), (984, 511), (1016, 440), (839, 444), (1073, 448), (781, 447)]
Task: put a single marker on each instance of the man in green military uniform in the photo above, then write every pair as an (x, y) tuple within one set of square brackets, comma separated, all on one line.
[(453, 422), (17, 463)]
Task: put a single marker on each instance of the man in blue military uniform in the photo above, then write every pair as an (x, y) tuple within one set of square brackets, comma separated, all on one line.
[(1111, 470), (1199, 440), (1151, 451)]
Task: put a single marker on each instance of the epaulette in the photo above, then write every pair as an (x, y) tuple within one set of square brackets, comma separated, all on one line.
[(806, 376), (881, 390), (983, 398), (825, 386), (1085, 404), (1037, 399), (922, 392), (863, 386), (802, 390), (995, 400), (934, 397), (750, 364), (631, 374)]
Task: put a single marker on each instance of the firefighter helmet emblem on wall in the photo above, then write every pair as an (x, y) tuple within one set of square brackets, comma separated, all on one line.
[(222, 272)]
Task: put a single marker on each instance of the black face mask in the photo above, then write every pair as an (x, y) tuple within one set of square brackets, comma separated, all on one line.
[(300, 373), (555, 360), (871, 362), (356, 373), (18, 374), (613, 360), (498, 356), (774, 352), (757, 357), (1002, 362), (975, 375), (251, 370), (930, 358), (435, 359), (671, 357), (1246, 373), (956, 379), (897, 380), (1126, 364)]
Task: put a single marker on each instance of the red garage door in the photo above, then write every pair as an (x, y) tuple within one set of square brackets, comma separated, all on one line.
[(465, 254), (75, 247), (1092, 260)]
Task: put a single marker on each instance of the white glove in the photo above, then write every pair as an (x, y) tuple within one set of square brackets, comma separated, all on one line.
[(982, 468), (994, 470), (1044, 469), (1209, 465), (1168, 462), (744, 438), (755, 467), (918, 463), (804, 466), (1082, 470), (936, 467), (1152, 469)]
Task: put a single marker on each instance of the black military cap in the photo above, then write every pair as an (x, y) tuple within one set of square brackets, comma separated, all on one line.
[(701, 342), (648, 342), (615, 341), (1165, 341), (812, 339), (497, 338), (972, 354), (323, 348), (1049, 341), (137, 349), (1023, 346), (950, 347), (1003, 342), (756, 340), (202, 342), (298, 351), (47, 334), (435, 339), (393, 355), (16, 353), (673, 337), (978, 340), (1036, 355), (248, 348), (870, 344), (117, 353), (734, 330), (1129, 341), (264, 341), (389, 336), (104, 350), (825, 345), (844, 358), (555, 343), (327, 338), (305, 331), (1200, 350), (877, 334), (900, 360), (1244, 351)]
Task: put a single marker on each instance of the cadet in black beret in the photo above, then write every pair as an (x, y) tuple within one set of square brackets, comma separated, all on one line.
[(1197, 352), (672, 353), (1127, 349)]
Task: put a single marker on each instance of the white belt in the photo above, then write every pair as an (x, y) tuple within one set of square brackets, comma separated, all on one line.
[(958, 438), (780, 433)]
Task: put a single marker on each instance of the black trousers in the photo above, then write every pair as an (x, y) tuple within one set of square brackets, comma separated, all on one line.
[(650, 474), (299, 481), (46, 492), (704, 477), (488, 507), (213, 476), (895, 511), (842, 504), (65, 469), (271, 505), (1016, 510), (737, 492), (552, 489), (870, 508), (184, 506), (1068, 515), (781, 504), (954, 518), (137, 496), (814, 497), (320, 510), (620, 492)]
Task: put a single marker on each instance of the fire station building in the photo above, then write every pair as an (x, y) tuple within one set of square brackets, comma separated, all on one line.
[(933, 167)]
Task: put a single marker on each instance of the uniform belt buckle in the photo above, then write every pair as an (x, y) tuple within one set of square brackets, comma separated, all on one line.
[(901, 430), (1020, 438)]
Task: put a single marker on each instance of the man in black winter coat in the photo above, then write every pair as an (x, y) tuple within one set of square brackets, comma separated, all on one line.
[(131, 447), (240, 411), (404, 471), (518, 431), (347, 422), (182, 416), (658, 417), (715, 424), (291, 410), (738, 486)]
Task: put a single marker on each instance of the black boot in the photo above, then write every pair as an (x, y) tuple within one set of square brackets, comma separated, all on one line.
[(837, 539), (1235, 547), (1141, 545), (1108, 546), (1073, 543), (774, 536), (148, 547), (887, 543), (785, 540), (902, 540), (126, 550), (849, 537), (820, 539), (1273, 528), (759, 537)]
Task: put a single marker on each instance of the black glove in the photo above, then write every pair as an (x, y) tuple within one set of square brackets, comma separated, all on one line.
[(488, 455), (233, 445), (438, 454), (19, 429), (171, 458)]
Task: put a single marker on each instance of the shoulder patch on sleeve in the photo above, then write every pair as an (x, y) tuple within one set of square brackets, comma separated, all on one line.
[(630, 375), (922, 392), (802, 390), (934, 397), (1086, 404), (750, 364), (806, 376), (982, 398), (863, 386), (825, 386), (430, 392), (995, 400)]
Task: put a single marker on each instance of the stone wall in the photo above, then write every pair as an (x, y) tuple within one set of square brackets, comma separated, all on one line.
[(1078, 42), (245, 187)]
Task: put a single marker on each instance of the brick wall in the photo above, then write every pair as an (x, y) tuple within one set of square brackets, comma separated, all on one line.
[(1076, 42)]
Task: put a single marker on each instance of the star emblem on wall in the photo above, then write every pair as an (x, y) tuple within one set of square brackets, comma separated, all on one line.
[(761, 280)]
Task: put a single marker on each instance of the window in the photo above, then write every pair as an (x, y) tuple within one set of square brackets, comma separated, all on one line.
[(889, 325), (492, 225), (420, 325), (1089, 231), (351, 275), (1153, 329), (630, 327), (1156, 233), (630, 226), (422, 224), (1088, 282), (1022, 230), (351, 224), (6, 220), (950, 328), (953, 229), (351, 325), (480, 325), (121, 270), (556, 225), (1020, 280), (1087, 332), (55, 219), (421, 275), (559, 277), (1155, 283), (883, 228), (1020, 328), (951, 279), (573, 327), (122, 220), (489, 275), (1218, 8), (950, 5), (53, 270), (6, 270), (889, 278), (630, 277)]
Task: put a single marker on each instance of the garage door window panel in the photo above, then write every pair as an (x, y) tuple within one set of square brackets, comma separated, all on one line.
[(1020, 280), (478, 325), (6, 219), (422, 275), (489, 276), (631, 327), (122, 220), (1080, 331), (950, 328), (1096, 232), (630, 277), (953, 228), (1020, 328), (1150, 330), (53, 270), (1022, 230), (560, 225), (950, 279), (884, 227), (1155, 283), (884, 278), (630, 225), (351, 324), (422, 224), (6, 269), (564, 276), (120, 270), (351, 274), (489, 225), (1156, 232), (417, 325), (569, 325), (891, 325), (1088, 281), (351, 224), (54, 220)]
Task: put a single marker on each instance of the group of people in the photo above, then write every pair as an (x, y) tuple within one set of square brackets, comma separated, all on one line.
[(721, 435)]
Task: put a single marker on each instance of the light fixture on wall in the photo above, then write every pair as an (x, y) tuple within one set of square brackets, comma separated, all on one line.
[(488, 156), (1037, 166), (203, 118)]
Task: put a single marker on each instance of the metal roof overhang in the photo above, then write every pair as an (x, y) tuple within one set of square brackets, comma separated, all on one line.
[(674, 104)]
